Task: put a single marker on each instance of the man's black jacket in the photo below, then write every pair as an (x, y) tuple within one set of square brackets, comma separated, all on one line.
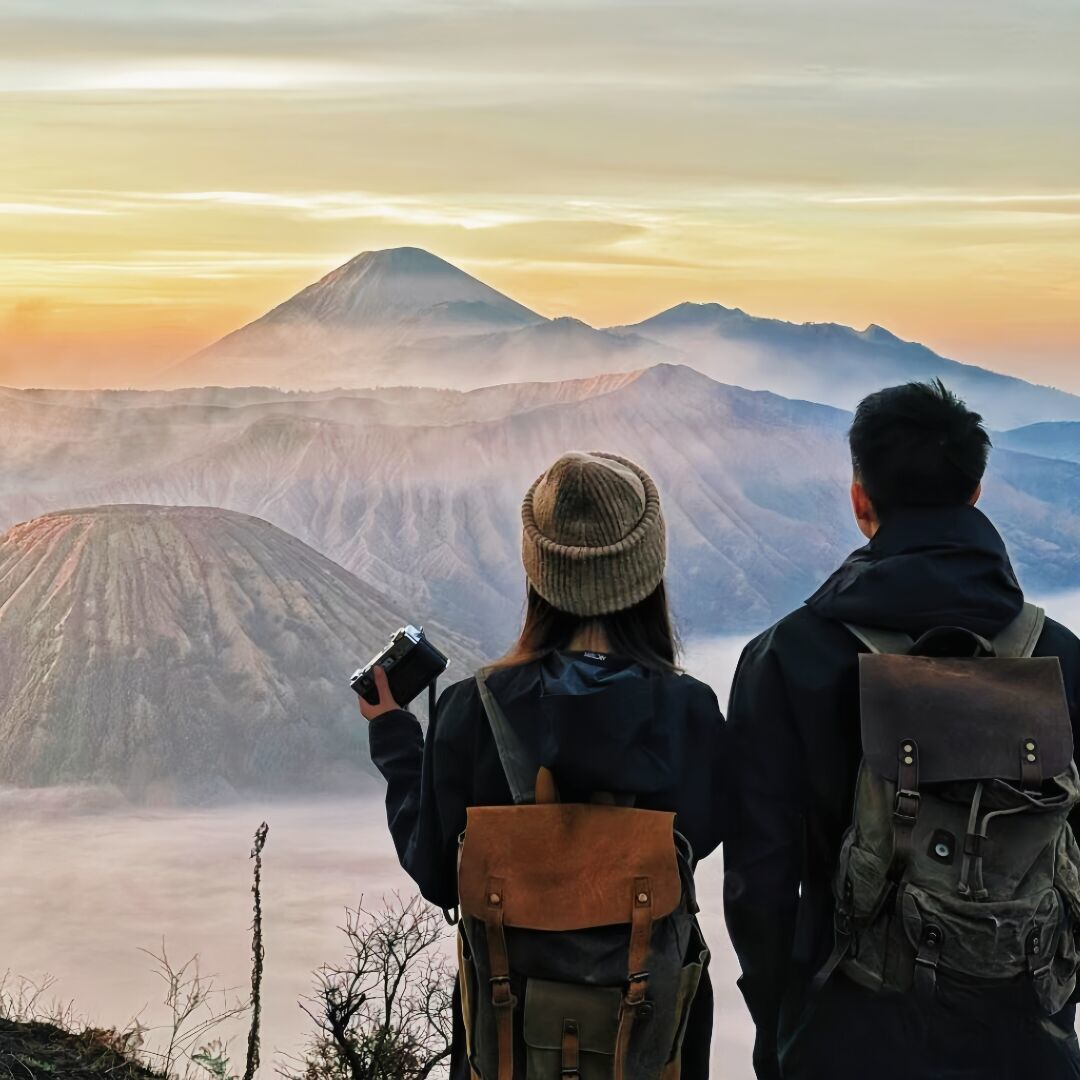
[(600, 724), (794, 730)]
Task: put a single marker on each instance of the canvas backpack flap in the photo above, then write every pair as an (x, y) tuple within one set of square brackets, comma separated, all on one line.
[(968, 719)]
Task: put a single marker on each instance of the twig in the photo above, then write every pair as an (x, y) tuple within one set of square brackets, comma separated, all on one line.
[(258, 954)]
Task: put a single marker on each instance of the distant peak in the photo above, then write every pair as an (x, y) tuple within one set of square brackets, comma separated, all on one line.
[(690, 307), (401, 259), (878, 333), (695, 311)]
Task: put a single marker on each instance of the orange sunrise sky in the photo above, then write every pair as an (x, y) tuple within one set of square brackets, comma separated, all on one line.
[(173, 169)]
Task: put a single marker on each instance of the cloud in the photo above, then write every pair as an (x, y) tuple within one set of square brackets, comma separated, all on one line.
[(48, 209), (864, 162), (958, 198)]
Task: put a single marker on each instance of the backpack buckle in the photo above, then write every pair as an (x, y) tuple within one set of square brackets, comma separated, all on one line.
[(501, 995), (906, 808), (636, 984)]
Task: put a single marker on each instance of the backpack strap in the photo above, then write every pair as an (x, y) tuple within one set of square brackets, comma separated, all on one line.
[(1017, 640), (513, 754), (521, 771), (882, 641), (1020, 637)]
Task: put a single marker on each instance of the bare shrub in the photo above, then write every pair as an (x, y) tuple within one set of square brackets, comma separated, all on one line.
[(384, 1013), (197, 1009)]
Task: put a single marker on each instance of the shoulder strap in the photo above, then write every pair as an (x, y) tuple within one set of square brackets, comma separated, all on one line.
[(882, 641), (1020, 637), (520, 773)]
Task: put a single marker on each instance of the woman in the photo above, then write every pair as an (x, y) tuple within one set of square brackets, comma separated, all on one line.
[(591, 687)]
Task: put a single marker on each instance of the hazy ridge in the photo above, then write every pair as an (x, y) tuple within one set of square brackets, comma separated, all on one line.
[(405, 316), (417, 491)]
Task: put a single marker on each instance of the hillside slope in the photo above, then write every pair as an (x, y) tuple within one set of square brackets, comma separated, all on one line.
[(337, 330), (180, 654), (1056, 440), (39, 1051)]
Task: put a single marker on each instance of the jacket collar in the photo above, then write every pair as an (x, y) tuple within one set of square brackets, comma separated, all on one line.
[(927, 566)]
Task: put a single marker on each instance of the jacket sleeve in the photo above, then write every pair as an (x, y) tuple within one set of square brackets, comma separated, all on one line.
[(426, 795), (716, 783), (763, 855)]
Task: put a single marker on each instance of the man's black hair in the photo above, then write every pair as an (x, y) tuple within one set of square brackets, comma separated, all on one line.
[(918, 445)]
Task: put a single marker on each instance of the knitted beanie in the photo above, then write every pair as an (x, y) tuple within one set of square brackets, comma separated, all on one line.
[(594, 539)]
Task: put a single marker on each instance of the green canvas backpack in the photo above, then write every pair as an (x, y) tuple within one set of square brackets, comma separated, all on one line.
[(959, 863)]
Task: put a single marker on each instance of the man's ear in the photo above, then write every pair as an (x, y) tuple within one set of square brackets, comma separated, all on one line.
[(976, 495), (863, 508)]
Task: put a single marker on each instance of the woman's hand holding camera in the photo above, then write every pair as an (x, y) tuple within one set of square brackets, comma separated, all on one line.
[(386, 701)]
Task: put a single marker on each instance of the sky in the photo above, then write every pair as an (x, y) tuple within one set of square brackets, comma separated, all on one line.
[(170, 170)]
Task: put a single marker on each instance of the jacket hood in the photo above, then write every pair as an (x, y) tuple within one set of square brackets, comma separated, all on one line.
[(926, 567), (600, 723)]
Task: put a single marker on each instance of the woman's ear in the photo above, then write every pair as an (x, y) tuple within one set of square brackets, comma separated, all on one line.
[(865, 515)]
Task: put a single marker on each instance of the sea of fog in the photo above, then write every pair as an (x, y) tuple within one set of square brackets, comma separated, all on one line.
[(86, 884)]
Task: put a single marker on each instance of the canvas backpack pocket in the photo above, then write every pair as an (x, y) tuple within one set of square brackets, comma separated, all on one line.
[(992, 941), (1067, 875), (860, 889), (697, 958), (569, 1023), (1066, 958), (861, 882)]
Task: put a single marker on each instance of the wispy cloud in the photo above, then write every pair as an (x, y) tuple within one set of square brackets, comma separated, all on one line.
[(49, 209), (955, 198)]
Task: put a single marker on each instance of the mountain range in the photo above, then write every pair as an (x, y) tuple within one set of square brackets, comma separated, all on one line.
[(186, 636), (403, 316), (417, 491), (1060, 440), (181, 654)]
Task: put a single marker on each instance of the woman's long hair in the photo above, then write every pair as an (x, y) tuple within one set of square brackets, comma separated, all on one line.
[(643, 633)]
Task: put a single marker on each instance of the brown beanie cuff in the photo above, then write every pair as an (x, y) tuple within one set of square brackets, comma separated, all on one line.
[(597, 580)]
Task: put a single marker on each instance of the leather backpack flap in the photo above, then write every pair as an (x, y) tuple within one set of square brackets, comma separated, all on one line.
[(970, 719), (567, 866)]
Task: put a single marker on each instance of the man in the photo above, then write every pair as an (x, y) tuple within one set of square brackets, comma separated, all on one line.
[(933, 559)]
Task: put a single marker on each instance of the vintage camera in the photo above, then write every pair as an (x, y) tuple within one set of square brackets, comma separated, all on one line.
[(411, 664)]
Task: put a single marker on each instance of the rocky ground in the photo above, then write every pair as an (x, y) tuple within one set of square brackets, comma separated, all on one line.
[(37, 1051)]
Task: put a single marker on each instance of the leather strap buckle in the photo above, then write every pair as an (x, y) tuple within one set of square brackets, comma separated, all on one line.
[(636, 985), (502, 996), (906, 808)]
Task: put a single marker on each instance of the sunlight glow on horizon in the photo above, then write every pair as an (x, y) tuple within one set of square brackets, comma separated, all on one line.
[(176, 173)]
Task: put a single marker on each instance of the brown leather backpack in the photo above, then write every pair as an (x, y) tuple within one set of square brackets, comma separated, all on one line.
[(579, 949)]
